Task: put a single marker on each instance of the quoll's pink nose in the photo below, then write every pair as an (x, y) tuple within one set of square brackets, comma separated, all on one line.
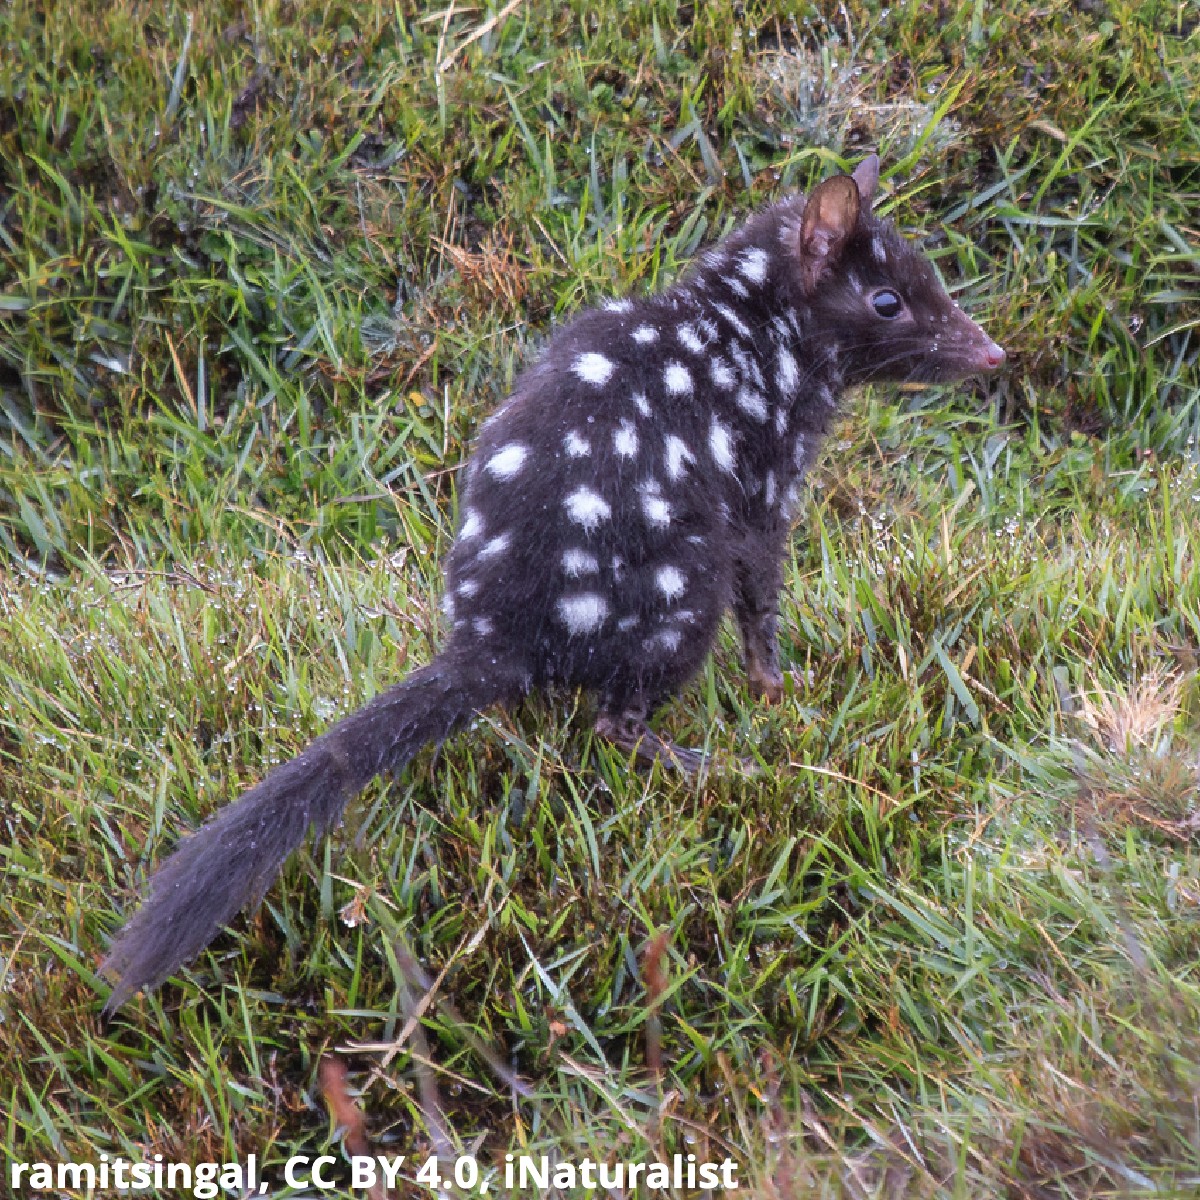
[(993, 356)]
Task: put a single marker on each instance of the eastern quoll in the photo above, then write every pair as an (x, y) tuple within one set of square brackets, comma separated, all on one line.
[(639, 482)]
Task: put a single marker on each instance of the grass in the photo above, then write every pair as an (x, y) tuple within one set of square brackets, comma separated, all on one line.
[(263, 271)]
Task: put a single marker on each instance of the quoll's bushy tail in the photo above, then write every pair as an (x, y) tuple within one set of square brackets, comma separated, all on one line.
[(231, 861)]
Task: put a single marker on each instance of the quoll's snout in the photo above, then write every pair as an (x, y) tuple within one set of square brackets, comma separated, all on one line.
[(992, 356), (978, 352)]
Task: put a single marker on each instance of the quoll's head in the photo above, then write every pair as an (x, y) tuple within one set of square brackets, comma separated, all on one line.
[(875, 295)]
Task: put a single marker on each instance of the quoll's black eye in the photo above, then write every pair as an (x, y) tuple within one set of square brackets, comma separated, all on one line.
[(887, 304)]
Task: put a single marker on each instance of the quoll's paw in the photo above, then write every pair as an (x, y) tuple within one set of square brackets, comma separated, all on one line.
[(773, 687), (632, 735)]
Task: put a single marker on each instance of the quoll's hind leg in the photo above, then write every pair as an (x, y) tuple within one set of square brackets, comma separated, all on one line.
[(623, 720), (666, 649), (631, 733), (681, 595)]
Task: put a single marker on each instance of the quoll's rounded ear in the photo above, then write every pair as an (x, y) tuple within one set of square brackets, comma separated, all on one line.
[(866, 176), (830, 215)]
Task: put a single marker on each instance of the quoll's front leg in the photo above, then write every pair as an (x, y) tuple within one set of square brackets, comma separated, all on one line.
[(756, 606)]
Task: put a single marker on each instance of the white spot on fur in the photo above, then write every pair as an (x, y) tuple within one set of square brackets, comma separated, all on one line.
[(678, 456), (753, 265), (720, 443), (799, 452), (497, 545), (583, 613), (657, 511), (788, 377), (586, 508), (508, 460), (483, 627), (747, 362), (738, 324), (654, 508), (752, 404), (738, 287), (671, 582), (769, 494), (790, 499), (594, 368), (645, 334), (579, 562), (467, 588), (472, 525), (448, 606), (689, 339), (667, 639), (878, 252), (641, 403), (576, 446), (677, 379), (618, 306), (625, 440), (722, 374), (625, 624), (781, 420)]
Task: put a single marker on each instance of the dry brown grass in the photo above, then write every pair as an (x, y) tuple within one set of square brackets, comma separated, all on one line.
[(1136, 717), (1141, 771)]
